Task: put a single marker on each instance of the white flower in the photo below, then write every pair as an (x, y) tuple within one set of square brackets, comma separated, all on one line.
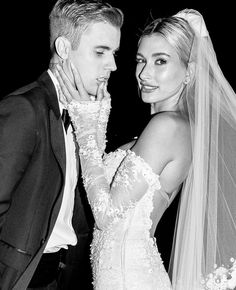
[(222, 278), (232, 280)]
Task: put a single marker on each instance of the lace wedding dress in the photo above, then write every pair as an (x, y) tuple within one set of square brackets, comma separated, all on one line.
[(127, 202)]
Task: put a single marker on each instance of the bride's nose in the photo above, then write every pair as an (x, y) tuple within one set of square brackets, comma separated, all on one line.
[(146, 73)]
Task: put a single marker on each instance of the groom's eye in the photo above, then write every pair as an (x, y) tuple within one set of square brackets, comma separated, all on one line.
[(100, 52)]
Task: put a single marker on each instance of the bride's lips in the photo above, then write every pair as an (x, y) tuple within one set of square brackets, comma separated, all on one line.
[(145, 88)]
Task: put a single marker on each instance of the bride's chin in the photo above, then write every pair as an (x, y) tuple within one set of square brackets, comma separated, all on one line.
[(147, 98)]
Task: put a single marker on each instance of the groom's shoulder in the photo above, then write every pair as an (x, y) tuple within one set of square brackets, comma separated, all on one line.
[(29, 95)]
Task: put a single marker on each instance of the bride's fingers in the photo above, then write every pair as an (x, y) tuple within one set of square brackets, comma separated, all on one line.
[(66, 84), (79, 84), (100, 91), (62, 98), (106, 94), (64, 94)]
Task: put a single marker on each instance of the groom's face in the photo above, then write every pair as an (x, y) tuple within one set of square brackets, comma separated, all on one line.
[(95, 56)]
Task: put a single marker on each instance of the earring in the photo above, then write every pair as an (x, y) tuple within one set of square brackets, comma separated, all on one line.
[(187, 80)]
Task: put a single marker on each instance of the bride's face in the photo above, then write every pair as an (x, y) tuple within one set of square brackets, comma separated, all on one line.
[(159, 72)]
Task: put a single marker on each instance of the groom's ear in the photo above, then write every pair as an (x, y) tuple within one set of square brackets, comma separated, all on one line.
[(62, 47)]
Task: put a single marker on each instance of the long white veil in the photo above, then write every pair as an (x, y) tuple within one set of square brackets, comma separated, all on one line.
[(204, 249)]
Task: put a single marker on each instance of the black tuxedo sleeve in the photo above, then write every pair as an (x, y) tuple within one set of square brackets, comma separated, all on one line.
[(17, 143)]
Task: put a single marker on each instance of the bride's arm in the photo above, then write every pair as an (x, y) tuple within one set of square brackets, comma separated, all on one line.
[(108, 202)]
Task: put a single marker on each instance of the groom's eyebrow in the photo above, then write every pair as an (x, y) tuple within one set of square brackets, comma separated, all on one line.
[(105, 47)]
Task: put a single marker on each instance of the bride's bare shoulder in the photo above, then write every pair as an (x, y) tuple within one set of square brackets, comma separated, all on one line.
[(166, 142), (168, 126)]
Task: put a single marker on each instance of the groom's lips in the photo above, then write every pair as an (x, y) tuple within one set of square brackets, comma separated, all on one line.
[(102, 79)]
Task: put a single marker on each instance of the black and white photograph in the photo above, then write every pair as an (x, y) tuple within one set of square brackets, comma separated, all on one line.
[(117, 145)]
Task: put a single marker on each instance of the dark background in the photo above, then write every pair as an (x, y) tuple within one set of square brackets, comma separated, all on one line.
[(25, 55)]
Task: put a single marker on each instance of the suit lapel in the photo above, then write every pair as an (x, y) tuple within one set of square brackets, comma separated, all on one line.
[(57, 141), (56, 130)]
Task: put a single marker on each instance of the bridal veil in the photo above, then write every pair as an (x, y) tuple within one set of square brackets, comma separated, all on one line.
[(204, 249)]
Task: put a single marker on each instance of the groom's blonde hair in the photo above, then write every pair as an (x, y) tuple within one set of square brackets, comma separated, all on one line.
[(70, 18)]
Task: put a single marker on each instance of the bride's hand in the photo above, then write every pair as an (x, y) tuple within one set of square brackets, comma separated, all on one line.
[(69, 92), (77, 93), (102, 92)]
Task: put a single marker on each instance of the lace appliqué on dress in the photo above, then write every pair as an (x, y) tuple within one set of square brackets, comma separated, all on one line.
[(136, 164), (126, 176), (126, 241)]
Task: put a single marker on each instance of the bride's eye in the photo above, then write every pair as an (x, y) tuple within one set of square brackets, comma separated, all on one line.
[(140, 60), (160, 61)]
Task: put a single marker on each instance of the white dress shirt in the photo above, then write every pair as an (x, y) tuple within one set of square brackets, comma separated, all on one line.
[(63, 233)]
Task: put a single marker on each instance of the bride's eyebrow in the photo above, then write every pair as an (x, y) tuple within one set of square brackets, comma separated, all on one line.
[(160, 54), (155, 54)]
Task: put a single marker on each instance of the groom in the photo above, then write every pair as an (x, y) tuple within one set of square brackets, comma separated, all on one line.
[(44, 228)]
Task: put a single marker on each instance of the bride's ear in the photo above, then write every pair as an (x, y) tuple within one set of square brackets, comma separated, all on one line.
[(62, 47), (190, 72)]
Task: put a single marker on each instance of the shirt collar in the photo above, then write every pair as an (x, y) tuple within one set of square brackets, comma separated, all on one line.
[(57, 87)]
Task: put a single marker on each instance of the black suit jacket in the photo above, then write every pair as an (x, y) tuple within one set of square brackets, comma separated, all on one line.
[(32, 173)]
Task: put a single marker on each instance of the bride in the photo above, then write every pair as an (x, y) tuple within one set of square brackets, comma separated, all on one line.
[(189, 141)]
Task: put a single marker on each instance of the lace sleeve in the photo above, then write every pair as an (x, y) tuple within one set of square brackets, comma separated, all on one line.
[(133, 177), (105, 107), (92, 117)]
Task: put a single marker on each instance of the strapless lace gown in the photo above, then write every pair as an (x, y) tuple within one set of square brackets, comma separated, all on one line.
[(127, 201), (125, 254)]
